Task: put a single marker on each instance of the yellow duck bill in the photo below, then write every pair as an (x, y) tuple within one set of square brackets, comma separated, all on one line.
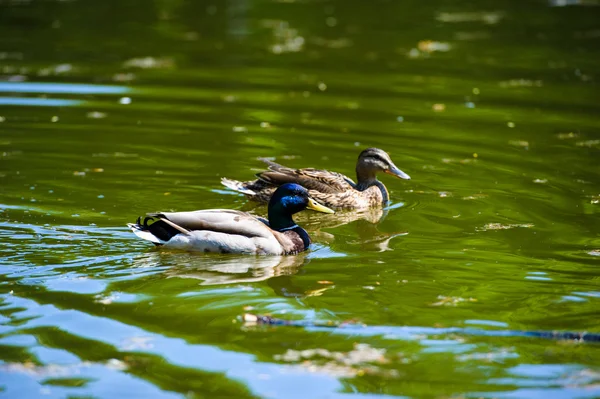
[(315, 206)]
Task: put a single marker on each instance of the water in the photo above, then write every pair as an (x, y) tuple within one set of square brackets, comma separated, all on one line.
[(114, 109)]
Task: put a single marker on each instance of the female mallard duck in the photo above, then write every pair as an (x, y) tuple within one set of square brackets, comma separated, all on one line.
[(230, 231), (329, 188)]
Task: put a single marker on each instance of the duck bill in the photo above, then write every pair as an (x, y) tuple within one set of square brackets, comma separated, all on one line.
[(315, 206), (394, 171)]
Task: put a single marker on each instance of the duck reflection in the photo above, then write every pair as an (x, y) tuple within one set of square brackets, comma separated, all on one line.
[(370, 216), (339, 218), (223, 269), (366, 221)]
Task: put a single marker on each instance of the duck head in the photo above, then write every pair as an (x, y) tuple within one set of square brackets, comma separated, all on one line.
[(373, 160), (288, 199)]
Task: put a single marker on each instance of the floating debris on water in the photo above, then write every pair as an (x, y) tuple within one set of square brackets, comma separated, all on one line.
[(430, 46), (413, 53), (7, 154), (519, 143), (521, 83), (115, 155), (474, 197), (240, 129), (116, 364), (461, 161), (253, 320), (569, 3), (487, 17), (451, 300), (426, 47), (123, 77), (287, 39), (363, 359), (49, 370), (318, 291), (510, 124), (500, 226), (96, 115), (588, 143), (150, 63), (565, 136), (60, 69), (438, 107), (540, 181), (125, 100)]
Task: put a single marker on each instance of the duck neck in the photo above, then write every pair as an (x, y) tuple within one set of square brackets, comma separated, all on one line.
[(283, 222), (365, 177), (280, 220)]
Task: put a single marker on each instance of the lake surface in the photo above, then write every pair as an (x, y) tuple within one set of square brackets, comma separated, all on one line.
[(112, 109)]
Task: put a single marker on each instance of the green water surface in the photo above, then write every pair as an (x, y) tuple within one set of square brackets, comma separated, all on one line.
[(111, 109)]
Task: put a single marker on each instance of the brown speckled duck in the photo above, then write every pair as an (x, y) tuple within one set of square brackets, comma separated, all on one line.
[(231, 231), (332, 189)]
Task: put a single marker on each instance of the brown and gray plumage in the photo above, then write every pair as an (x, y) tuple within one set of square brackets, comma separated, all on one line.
[(332, 189), (231, 231)]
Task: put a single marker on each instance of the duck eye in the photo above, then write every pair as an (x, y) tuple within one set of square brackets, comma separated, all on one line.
[(380, 159)]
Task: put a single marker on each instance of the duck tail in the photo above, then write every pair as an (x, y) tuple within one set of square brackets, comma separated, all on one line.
[(238, 186), (141, 229), (272, 164)]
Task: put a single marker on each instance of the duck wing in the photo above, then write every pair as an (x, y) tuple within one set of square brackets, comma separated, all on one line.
[(322, 181), (218, 220)]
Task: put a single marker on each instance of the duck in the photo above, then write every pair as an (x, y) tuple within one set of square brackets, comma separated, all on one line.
[(232, 231), (332, 189)]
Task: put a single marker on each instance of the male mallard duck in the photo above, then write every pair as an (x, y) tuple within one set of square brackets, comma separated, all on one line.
[(230, 231), (329, 188)]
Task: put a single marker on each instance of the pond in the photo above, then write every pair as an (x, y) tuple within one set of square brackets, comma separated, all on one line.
[(112, 109)]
